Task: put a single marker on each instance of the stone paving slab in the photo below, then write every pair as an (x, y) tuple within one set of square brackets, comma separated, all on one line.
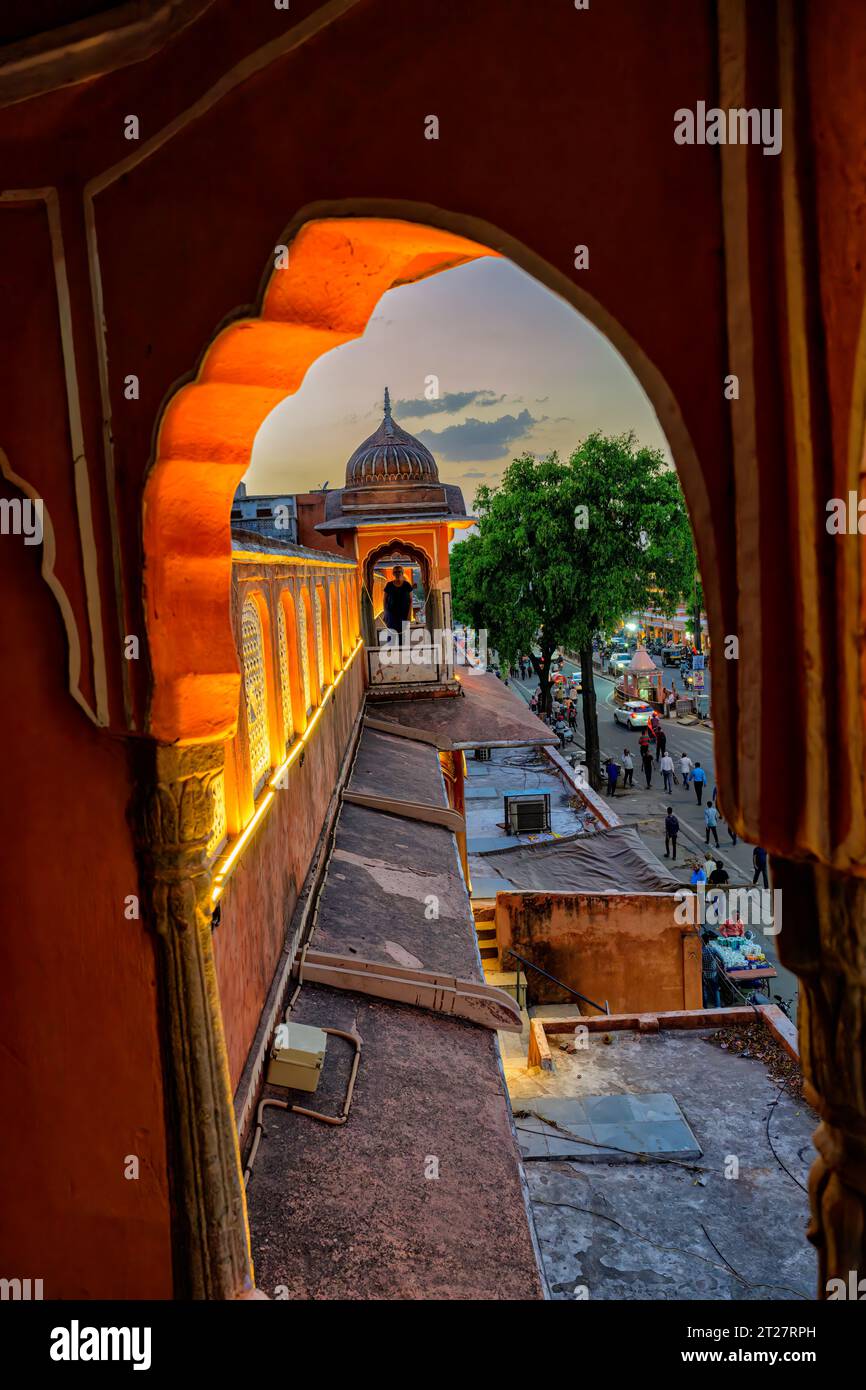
[(640, 1124)]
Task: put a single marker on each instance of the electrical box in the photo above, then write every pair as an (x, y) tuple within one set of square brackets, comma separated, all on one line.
[(297, 1056)]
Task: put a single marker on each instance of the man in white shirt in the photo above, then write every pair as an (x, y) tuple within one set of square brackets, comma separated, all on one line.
[(667, 770), (628, 769), (685, 768)]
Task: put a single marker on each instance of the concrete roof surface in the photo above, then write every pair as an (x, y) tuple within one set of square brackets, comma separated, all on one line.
[(391, 766), (419, 1195), (374, 901), (351, 1213), (647, 1230), (489, 713)]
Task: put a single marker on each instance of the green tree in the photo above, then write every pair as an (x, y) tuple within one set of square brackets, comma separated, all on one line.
[(563, 549), (672, 557)]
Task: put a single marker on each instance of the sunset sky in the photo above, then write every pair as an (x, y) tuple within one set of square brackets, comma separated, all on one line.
[(519, 371)]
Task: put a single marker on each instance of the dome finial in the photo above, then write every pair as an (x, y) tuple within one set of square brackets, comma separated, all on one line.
[(391, 455)]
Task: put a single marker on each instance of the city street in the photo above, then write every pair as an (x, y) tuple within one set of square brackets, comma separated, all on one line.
[(645, 808)]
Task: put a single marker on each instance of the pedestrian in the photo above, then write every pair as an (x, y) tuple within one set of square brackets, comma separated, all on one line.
[(759, 862), (627, 769), (647, 762), (698, 874), (661, 742), (699, 778), (572, 716), (667, 767), (672, 830), (711, 821), (710, 973), (612, 770), (719, 877), (671, 703), (685, 768), (643, 744)]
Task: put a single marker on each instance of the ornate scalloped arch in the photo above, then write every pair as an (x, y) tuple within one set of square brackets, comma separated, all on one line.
[(337, 271)]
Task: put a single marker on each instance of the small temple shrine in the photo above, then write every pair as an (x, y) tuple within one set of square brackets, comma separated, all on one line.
[(642, 679), (393, 511)]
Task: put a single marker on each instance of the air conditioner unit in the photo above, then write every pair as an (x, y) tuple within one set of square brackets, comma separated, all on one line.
[(482, 755), (527, 813)]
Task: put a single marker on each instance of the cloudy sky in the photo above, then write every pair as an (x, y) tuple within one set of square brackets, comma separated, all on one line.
[(519, 371)]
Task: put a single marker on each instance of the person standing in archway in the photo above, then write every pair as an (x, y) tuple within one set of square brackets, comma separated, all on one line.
[(398, 600)]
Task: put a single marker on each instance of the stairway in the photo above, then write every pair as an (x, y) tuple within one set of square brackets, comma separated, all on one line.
[(485, 927)]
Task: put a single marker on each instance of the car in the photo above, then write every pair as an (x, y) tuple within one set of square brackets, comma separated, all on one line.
[(621, 660), (672, 656), (634, 714)]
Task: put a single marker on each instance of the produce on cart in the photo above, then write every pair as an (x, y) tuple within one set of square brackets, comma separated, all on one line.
[(742, 962)]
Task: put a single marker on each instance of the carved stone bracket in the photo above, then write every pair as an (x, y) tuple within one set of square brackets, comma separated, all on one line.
[(173, 813), (824, 941)]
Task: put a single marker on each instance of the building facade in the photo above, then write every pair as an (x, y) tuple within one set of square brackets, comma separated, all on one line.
[(274, 514)]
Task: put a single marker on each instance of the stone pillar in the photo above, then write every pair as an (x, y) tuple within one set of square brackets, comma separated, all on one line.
[(174, 816), (823, 939)]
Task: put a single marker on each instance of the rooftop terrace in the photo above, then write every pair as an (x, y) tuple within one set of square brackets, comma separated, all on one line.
[(722, 1217), (420, 1194)]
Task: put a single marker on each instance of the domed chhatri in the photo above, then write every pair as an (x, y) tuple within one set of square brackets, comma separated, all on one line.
[(391, 455)]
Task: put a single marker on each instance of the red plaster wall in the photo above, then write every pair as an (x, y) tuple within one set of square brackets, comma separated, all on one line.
[(623, 948), (261, 895), (80, 1083), (311, 510), (185, 237), (556, 129)]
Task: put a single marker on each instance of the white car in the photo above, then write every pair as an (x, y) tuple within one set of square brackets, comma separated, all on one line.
[(634, 714)]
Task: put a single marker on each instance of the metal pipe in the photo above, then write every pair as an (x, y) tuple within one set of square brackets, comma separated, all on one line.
[(602, 1008), (340, 1119)]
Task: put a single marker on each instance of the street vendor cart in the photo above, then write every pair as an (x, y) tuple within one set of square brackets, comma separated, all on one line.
[(744, 984), (744, 970)]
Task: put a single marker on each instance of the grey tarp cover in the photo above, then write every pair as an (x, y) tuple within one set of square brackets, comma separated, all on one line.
[(609, 861)]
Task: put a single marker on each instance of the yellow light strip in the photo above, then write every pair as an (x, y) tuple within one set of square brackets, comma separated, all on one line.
[(227, 864), (264, 557), (232, 858)]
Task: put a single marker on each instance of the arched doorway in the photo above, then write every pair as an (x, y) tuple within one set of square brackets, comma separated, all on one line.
[(315, 302)]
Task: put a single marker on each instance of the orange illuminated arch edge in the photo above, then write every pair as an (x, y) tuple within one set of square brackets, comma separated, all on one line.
[(337, 271)]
